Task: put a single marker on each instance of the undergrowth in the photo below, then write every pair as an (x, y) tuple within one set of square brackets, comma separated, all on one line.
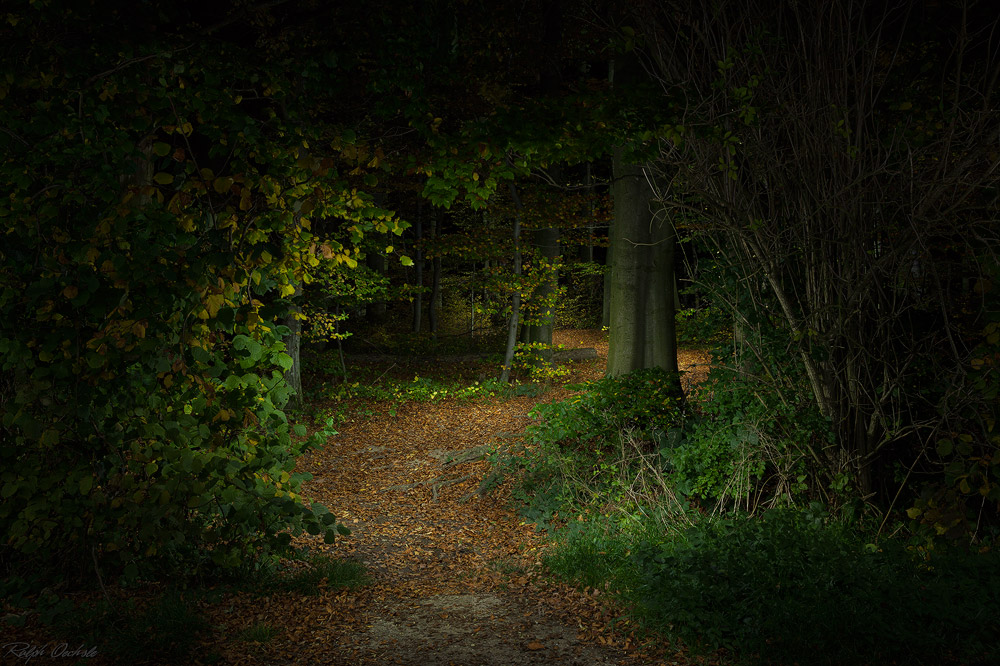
[(640, 497), (169, 624)]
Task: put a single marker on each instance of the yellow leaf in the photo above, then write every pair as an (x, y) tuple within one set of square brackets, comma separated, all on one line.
[(213, 303), (287, 289), (222, 185), (161, 149), (186, 129), (70, 292), (186, 223), (388, 249), (163, 178)]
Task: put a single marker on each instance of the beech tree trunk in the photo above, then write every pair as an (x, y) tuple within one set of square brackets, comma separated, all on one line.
[(643, 333)]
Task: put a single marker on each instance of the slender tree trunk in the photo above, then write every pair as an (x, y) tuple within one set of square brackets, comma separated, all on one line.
[(293, 345), (418, 299), (435, 304), (587, 249), (515, 308), (375, 312)]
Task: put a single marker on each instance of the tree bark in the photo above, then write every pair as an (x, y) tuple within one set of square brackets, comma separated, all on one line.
[(643, 333), (418, 299), (515, 309), (293, 345), (375, 311), (435, 304)]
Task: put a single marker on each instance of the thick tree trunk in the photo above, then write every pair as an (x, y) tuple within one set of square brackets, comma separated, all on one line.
[(643, 333)]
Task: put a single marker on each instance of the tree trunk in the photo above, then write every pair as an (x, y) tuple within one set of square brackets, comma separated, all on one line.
[(293, 344), (435, 304), (515, 308), (418, 299), (643, 333), (586, 252), (375, 312)]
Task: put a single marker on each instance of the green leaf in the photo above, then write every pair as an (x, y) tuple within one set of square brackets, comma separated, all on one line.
[(161, 149), (163, 178), (406, 261), (284, 361), (200, 354), (944, 447), (86, 483), (50, 437)]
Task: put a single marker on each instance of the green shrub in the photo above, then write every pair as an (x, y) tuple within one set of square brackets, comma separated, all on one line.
[(779, 588), (643, 402), (703, 326), (747, 445)]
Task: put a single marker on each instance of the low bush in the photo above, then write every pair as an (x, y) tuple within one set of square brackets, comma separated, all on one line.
[(779, 588), (644, 403)]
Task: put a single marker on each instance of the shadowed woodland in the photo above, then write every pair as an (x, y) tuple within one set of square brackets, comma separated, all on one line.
[(567, 332)]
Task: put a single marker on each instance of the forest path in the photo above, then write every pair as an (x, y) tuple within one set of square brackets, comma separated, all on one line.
[(455, 576)]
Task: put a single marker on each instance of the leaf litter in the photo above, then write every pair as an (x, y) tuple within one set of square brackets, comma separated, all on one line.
[(455, 575)]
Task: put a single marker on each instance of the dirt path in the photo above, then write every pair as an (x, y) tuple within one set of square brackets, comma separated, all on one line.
[(456, 577)]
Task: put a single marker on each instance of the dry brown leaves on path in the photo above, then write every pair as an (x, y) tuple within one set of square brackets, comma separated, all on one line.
[(456, 576)]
